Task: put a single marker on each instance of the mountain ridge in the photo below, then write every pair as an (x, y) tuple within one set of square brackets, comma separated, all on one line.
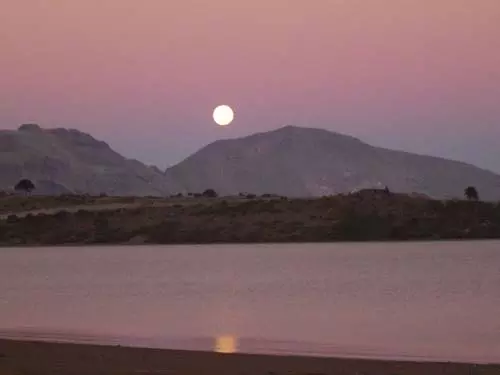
[(354, 165), (72, 162), (290, 160)]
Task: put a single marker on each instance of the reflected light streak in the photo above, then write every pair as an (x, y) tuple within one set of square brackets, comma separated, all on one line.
[(225, 344)]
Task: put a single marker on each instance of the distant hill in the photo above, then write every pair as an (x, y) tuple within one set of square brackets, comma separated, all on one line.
[(69, 161), (290, 161), (298, 161)]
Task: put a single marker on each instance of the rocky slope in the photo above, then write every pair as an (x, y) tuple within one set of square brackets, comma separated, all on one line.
[(69, 161), (298, 161)]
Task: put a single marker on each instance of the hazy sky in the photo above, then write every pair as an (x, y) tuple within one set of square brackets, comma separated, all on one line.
[(419, 75)]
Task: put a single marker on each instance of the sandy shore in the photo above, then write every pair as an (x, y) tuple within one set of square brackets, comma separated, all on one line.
[(26, 358)]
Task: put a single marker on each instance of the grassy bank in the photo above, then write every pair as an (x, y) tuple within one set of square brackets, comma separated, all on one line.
[(367, 216)]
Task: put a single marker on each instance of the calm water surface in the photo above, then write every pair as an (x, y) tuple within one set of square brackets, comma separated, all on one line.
[(416, 300)]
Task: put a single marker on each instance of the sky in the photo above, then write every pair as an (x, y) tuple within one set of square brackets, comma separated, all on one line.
[(415, 75)]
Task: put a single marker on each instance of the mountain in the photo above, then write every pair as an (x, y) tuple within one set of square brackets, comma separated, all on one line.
[(297, 161), (289, 161), (69, 161)]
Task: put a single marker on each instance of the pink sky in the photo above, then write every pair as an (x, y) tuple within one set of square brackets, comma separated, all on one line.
[(418, 75)]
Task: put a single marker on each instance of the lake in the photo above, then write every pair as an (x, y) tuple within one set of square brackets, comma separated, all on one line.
[(413, 300)]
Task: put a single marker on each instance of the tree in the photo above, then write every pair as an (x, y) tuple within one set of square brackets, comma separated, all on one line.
[(25, 185), (471, 193), (210, 193)]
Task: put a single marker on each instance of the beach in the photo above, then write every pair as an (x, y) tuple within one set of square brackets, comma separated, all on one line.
[(41, 358)]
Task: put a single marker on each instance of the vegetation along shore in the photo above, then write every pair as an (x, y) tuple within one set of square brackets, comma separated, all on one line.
[(369, 215)]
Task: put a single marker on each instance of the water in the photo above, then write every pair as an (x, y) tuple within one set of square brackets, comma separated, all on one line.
[(401, 300)]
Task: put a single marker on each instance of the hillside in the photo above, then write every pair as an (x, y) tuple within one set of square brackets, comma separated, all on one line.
[(298, 161), (63, 161), (289, 161)]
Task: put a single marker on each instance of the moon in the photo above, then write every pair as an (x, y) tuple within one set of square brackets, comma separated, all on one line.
[(223, 115)]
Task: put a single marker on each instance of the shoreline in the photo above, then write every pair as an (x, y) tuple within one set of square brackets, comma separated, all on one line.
[(42, 357), (241, 345), (224, 243), (355, 218)]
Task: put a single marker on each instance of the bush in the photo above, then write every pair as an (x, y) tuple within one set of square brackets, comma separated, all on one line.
[(210, 193)]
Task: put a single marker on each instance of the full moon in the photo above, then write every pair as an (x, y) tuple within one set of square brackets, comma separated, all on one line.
[(223, 115)]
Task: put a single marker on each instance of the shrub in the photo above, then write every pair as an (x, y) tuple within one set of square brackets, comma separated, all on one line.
[(210, 193), (25, 185)]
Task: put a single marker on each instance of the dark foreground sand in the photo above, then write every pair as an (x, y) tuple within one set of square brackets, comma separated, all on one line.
[(26, 358)]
